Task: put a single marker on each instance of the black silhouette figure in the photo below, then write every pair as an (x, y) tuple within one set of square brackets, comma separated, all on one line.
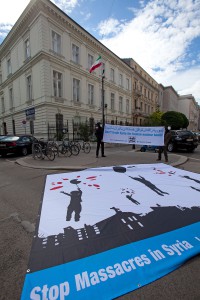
[(192, 187), (74, 205), (190, 178), (150, 185), (132, 200)]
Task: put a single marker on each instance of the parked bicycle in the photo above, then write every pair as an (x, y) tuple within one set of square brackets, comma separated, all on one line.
[(84, 146), (40, 149), (68, 148)]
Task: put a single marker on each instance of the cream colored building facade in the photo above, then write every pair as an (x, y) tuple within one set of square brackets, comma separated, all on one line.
[(145, 93), (190, 108), (45, 78)]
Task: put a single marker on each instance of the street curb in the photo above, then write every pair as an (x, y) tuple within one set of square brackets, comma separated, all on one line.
[(180, 160)]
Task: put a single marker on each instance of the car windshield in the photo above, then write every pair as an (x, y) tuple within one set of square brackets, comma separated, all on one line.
[(11, 138), (184, 132)]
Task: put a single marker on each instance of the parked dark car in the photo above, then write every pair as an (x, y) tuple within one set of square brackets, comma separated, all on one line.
[(182, 139), (16, 144)]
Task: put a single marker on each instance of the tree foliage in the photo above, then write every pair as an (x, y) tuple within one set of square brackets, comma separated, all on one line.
[(174, 119), (155, 119)]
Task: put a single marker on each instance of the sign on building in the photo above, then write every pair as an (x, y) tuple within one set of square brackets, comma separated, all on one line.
[(30, 114)]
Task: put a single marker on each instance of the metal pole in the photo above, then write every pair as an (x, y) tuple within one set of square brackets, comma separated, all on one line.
[(103, 116)]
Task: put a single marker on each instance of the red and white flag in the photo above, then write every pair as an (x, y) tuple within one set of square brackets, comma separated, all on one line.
[(96, 64)]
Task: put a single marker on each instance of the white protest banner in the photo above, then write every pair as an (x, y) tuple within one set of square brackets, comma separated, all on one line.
[(104, 232), (134, 135)]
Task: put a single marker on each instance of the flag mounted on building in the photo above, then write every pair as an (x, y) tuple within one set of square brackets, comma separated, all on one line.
[(96, 64)]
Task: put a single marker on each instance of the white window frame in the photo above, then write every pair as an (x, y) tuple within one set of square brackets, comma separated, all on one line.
[(75, 54), (127, 106), (56, 42), (11, 97), (90, 94), (112, 101), (112, 74), (29, 87), (76, 90), (57, 84), (120, 104), (127, 84), (2, 105), (120, 79), (9, 69), (90, 60), (27, 48)]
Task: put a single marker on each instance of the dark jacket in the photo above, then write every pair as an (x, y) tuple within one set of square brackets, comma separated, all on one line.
[(99, 133)]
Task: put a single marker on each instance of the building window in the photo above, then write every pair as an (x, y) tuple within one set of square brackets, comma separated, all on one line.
[(57, 84), (141, 106), (2, 105), (75, 54), (127, 84), (112, 75), (11, 97), (120, 80), (56, 42), (29, 88), (127, 106), (90, 94), (9, 70), (112, 101), (120, 104), (76, 90), (90, 60), (0, 78), (27, 49)]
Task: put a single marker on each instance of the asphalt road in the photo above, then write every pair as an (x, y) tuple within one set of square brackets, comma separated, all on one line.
[(21, 190)]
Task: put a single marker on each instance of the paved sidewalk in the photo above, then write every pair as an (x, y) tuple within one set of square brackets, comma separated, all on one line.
[(115, 155)]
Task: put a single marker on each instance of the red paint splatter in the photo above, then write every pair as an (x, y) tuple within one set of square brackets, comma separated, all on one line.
[(92, 177), (56, 187), (60, 182), (65, 179), (78, 176), (96, 185), (89, 185)]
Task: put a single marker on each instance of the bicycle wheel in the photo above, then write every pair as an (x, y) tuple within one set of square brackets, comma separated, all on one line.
[(37, 151), (50, 153), (74, 149), (67, 151), (86, 147), (61, 150)]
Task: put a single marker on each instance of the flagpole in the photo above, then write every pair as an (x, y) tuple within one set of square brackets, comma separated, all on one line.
[(103, 116)]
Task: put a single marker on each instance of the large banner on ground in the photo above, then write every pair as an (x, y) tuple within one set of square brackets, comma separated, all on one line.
[(104, 232), (134, 135)]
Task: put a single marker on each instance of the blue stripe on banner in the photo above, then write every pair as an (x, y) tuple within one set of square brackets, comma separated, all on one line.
[(115, 272)]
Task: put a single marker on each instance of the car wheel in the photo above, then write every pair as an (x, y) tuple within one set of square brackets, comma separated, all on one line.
[(24, 151), (170, 147), (142, 149)]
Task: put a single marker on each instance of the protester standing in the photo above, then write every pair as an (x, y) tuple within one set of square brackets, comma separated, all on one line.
[(99, 136), (163, 149)]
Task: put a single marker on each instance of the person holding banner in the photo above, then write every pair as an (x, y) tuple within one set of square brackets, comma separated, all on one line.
[(163, 149), (99, 136)]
